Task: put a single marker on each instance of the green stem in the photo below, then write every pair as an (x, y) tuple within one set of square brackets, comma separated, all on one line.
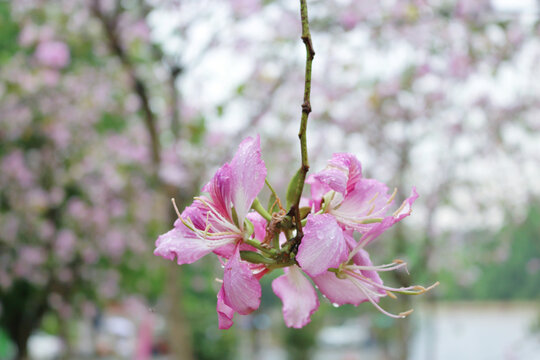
[(257, 206), (306, 109), (271, 188), (257, 245)]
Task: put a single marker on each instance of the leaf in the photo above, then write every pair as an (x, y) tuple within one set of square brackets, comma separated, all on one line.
[(292, 189)]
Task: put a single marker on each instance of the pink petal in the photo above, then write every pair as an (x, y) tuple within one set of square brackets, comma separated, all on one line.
[(248, 174), (377, 229), (369, 199), (318, 190), (225, 313), (182, 243), (323, 245), (342, 173), (241, 289), (227, 251), (406, 207), (298, 296), (339, 291), (259, 225), (362, 258), (220, 190)]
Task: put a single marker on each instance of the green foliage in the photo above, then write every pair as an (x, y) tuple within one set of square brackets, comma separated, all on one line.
[(110, 123), (9, 31), (514, 278)]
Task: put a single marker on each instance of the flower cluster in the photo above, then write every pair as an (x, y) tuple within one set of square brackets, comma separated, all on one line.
[(345, 213)]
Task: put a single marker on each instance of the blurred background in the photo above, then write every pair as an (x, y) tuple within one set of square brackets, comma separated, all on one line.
[(108, 108)]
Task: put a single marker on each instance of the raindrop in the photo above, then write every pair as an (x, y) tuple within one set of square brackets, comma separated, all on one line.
[(335, 305)]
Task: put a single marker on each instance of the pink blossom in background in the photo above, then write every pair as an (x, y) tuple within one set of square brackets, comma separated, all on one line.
[(459, 65), (14, 166), (64, 245), (54, 54), (245, 7), (28, 35)]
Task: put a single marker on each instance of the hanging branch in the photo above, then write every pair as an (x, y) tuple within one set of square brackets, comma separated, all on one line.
[(110, 25), (306, 109)]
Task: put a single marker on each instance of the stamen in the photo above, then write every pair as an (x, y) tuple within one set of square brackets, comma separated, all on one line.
[(410, 290), (392, 196), (371, 210), (377, 306), (406, 313), (386, 267), (176, 208), (373, 198), (391, 294)]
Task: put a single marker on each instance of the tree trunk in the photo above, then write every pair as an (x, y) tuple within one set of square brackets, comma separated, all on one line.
[(179, 334)]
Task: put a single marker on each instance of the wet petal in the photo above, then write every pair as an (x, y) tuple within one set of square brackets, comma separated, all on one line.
[(323, 245), (318, 190), (225, 312), (298, 296), (339, 291), (183, 244), (248, 174), (368, 200), (241, 289), (220, 191), (342, 173)]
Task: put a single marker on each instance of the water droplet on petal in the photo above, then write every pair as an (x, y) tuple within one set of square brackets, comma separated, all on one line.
[(335, 305)]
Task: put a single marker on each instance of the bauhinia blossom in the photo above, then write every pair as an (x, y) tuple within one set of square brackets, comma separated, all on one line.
[(218, 223), (252, 243)]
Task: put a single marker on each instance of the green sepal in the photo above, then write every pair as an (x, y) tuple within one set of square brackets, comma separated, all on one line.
[(304, 212), (248, 228), (234, 216), (255, 258), (292, 189)]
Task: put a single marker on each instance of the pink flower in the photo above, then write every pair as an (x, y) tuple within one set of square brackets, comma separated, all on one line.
[(250, 244), (54, 54), (219, 223), (355, 202)]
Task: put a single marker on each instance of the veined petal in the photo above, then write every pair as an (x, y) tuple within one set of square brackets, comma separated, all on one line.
[(339, 291), (298, 296), (318, 190), (241, 289), (220, 190), (197, 213), (323, 245), (183, 244), (225, 312), (248, 174), (369, 199), (378, 228), (342, 173)]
